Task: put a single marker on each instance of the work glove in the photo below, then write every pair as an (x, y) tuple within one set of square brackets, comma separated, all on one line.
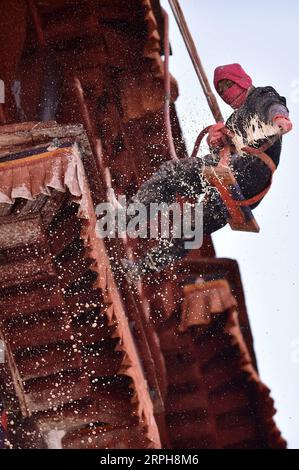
[(216, 137), (283, 122)]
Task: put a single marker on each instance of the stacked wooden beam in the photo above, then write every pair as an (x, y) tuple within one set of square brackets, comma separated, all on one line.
[(72, 361)]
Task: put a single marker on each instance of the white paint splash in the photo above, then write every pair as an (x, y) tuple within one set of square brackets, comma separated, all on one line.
[(255, 130)]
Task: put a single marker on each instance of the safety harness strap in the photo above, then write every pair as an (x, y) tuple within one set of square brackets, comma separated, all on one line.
[(270, 164), (222, 178)]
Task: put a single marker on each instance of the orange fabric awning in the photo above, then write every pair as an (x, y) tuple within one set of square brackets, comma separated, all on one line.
[(33, 174)]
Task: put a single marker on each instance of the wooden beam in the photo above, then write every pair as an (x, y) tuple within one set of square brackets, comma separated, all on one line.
[(197, 64)]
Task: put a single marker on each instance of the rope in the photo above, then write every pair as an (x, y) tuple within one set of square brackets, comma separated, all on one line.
[(167, 89), (225, 155)]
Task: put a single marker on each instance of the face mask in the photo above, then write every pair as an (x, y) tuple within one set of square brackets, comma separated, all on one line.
[(235, 96)]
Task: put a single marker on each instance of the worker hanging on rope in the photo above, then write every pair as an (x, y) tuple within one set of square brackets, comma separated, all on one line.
[(260, 119)]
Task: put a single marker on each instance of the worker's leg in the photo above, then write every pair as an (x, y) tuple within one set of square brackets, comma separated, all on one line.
[(175, 177), (184, 177)]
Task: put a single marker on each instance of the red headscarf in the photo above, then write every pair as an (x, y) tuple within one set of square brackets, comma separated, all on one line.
[(236, 94)]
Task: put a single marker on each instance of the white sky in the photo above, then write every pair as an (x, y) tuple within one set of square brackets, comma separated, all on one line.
[(262, 35)]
